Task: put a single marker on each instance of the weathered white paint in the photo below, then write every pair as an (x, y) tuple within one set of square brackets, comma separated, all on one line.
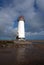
[(21, 29)]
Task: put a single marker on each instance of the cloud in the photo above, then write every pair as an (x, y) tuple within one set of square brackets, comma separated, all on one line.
[(6, 21), (35, 35), (40, 4), (10, 10)]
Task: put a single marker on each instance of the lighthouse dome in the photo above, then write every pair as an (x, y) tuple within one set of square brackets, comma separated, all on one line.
[(21, 18)]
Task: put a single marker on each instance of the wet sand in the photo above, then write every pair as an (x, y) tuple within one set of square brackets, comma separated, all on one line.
[(26, 54)]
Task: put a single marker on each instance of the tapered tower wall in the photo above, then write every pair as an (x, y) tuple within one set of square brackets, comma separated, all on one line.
[(21, 28)]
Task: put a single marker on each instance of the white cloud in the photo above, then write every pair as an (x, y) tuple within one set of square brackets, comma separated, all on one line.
[(34, 33)]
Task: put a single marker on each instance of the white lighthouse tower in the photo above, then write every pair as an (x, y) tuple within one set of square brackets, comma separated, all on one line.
[(21, 28)]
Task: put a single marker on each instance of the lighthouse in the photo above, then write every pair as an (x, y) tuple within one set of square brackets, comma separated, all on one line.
[(21, 28)]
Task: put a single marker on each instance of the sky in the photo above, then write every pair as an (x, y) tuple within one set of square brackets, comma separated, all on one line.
[(33, 12)]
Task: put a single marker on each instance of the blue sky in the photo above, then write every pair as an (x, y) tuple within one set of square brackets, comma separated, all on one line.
[(33, 12)]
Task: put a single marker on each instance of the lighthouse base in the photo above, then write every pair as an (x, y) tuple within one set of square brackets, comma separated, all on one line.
[(17, 38)]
